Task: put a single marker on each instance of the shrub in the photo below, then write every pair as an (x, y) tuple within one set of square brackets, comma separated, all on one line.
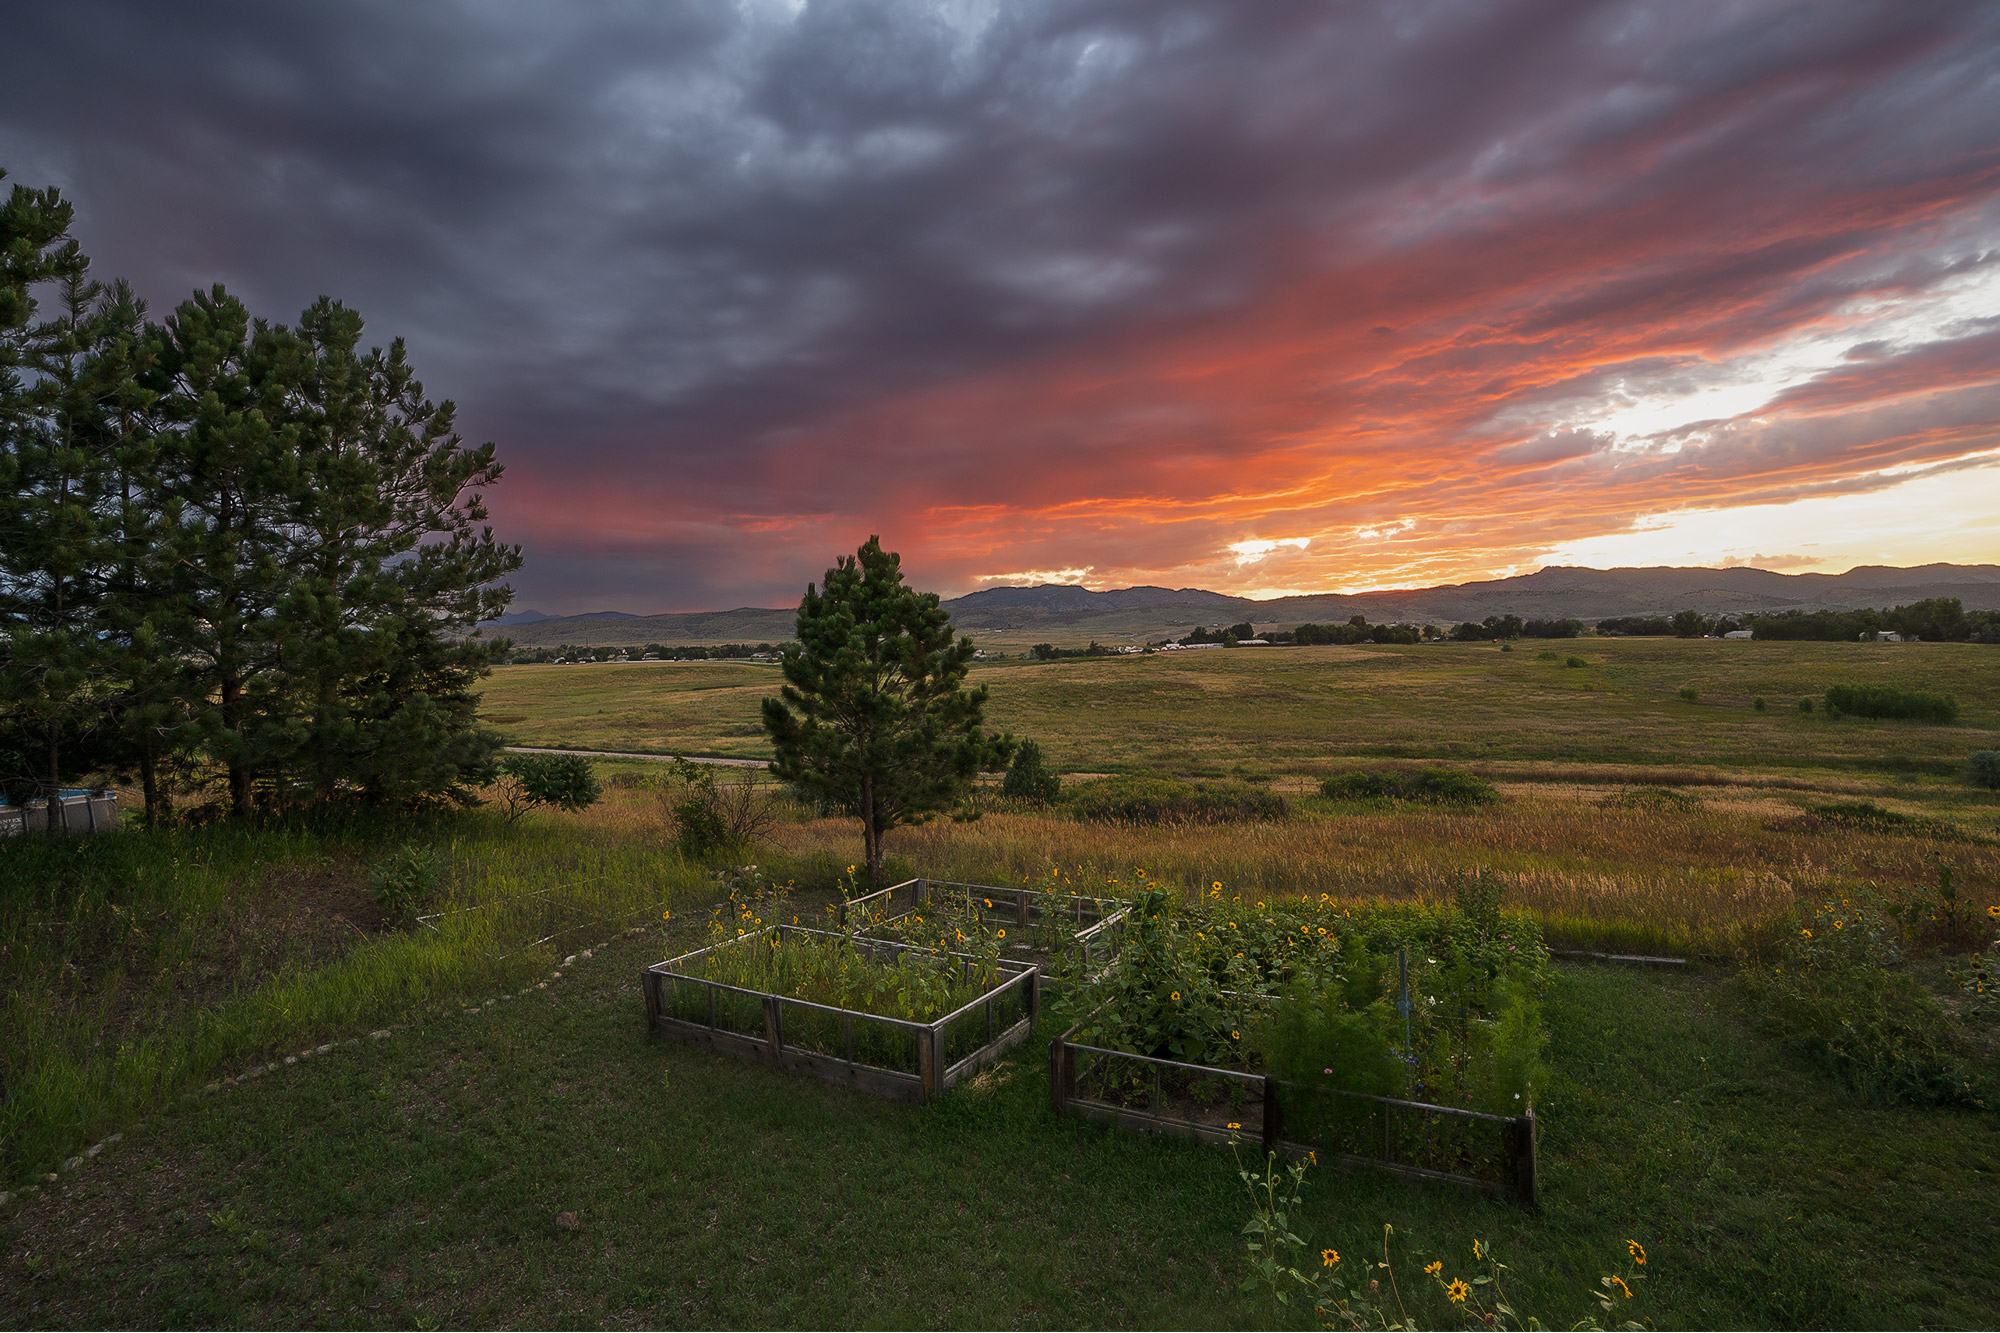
[(1872, 818), (564, 781), (405, 880), (1983, 769), (1147, 800), (1656, 798), (1029, 778), (710, 815), (1441, 786), (1506, 647), (1546, 655), (1805, 705), (1880, 1032), (1758, 703), (1887, 702), (1690, 694), (1574, 662)]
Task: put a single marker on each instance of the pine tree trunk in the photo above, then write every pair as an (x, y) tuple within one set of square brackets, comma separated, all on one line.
[(149, 781), (55, 779), (239, 776), (871, 837)]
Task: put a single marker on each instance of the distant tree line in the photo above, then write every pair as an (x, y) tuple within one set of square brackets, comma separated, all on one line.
[(1513, 627), (571, 652), (1935, 619), (1048, 652), (227, 546)]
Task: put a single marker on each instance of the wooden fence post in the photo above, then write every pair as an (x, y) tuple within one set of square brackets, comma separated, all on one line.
[(652, 982), (1062, 1075), (774, 1026), (1519, 1137)]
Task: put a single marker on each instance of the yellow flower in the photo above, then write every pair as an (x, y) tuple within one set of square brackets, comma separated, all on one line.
[(1458, 1291), (987, 901), (1175, 997), (1003, 934), (850, 870), (1329, 1257), (1434, 1267), (1614, 1278), (1993, 911), (1839, 924), (664, 915), (1806, 933), (1234, 1125), (1234, 1035), (1638, 1252)]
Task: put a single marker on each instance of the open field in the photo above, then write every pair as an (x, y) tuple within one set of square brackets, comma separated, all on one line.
[(1304, 710), (416, 1182)]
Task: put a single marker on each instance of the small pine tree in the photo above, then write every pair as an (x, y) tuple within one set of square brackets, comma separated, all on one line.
[(874, 717), (1029, 778)]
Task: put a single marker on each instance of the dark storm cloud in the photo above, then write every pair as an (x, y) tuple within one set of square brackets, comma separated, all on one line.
[(729, 281)]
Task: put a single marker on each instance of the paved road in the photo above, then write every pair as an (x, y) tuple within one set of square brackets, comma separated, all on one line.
[(656, 758)]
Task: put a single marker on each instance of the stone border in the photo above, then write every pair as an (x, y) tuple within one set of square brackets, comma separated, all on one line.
[(70, 1166)]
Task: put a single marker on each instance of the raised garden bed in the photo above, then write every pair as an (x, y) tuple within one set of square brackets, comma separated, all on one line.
[(844, 1043), (1041, 926), (1155, 1095)]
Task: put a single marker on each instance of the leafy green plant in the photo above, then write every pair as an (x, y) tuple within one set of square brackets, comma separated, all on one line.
[(1343, 1291), (711, 815), (1982, 769), (1805, 705), (1689, 694), (1574, 662), (1029, 778), (1758, 705), (1437, 785), (560, 781), (1149, 800), (1887, 702), (406, 880)]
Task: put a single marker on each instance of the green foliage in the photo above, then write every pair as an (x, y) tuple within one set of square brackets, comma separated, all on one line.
[(710, 815), (1574, 663), (874, 716), (1689, 694), (1438, 786), (1982, 769), (1805, 705), (1868, 816), (222, 539), (1758, 704), (561, 781), (1837, 999), (406, 880), (1149, 800), (1887, 702), (1029, 778)]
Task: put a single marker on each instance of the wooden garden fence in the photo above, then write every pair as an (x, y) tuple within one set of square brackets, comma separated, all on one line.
[(895, 1057), (1495, 1153)]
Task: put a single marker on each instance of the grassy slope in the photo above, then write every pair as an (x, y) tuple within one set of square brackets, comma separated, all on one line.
[(1302, 708), (416, 1181)]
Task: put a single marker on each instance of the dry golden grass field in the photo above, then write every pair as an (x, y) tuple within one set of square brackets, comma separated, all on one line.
[(1630, 817)]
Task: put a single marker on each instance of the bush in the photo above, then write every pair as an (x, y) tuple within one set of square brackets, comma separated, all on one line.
[(1574, 662), (1690, 694), (710, 815), (1880, 1032), (1029, 778), (405, 880), (1758, 703), (1805, 705), (1983, 769), (1546, 655), (1441, 786), (1144, 800), (564, 781), (1887, 702)]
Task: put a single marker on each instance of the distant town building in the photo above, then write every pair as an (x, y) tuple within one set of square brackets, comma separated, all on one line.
[(1740, 634)]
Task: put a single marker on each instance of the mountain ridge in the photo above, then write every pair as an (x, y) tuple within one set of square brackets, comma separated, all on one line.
[(1130, 614)]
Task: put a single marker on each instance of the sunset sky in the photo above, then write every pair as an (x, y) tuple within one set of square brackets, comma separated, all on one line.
[(1258, 297)]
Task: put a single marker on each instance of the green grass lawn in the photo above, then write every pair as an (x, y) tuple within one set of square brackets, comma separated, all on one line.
[(417, 1181), (1304, 709)]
